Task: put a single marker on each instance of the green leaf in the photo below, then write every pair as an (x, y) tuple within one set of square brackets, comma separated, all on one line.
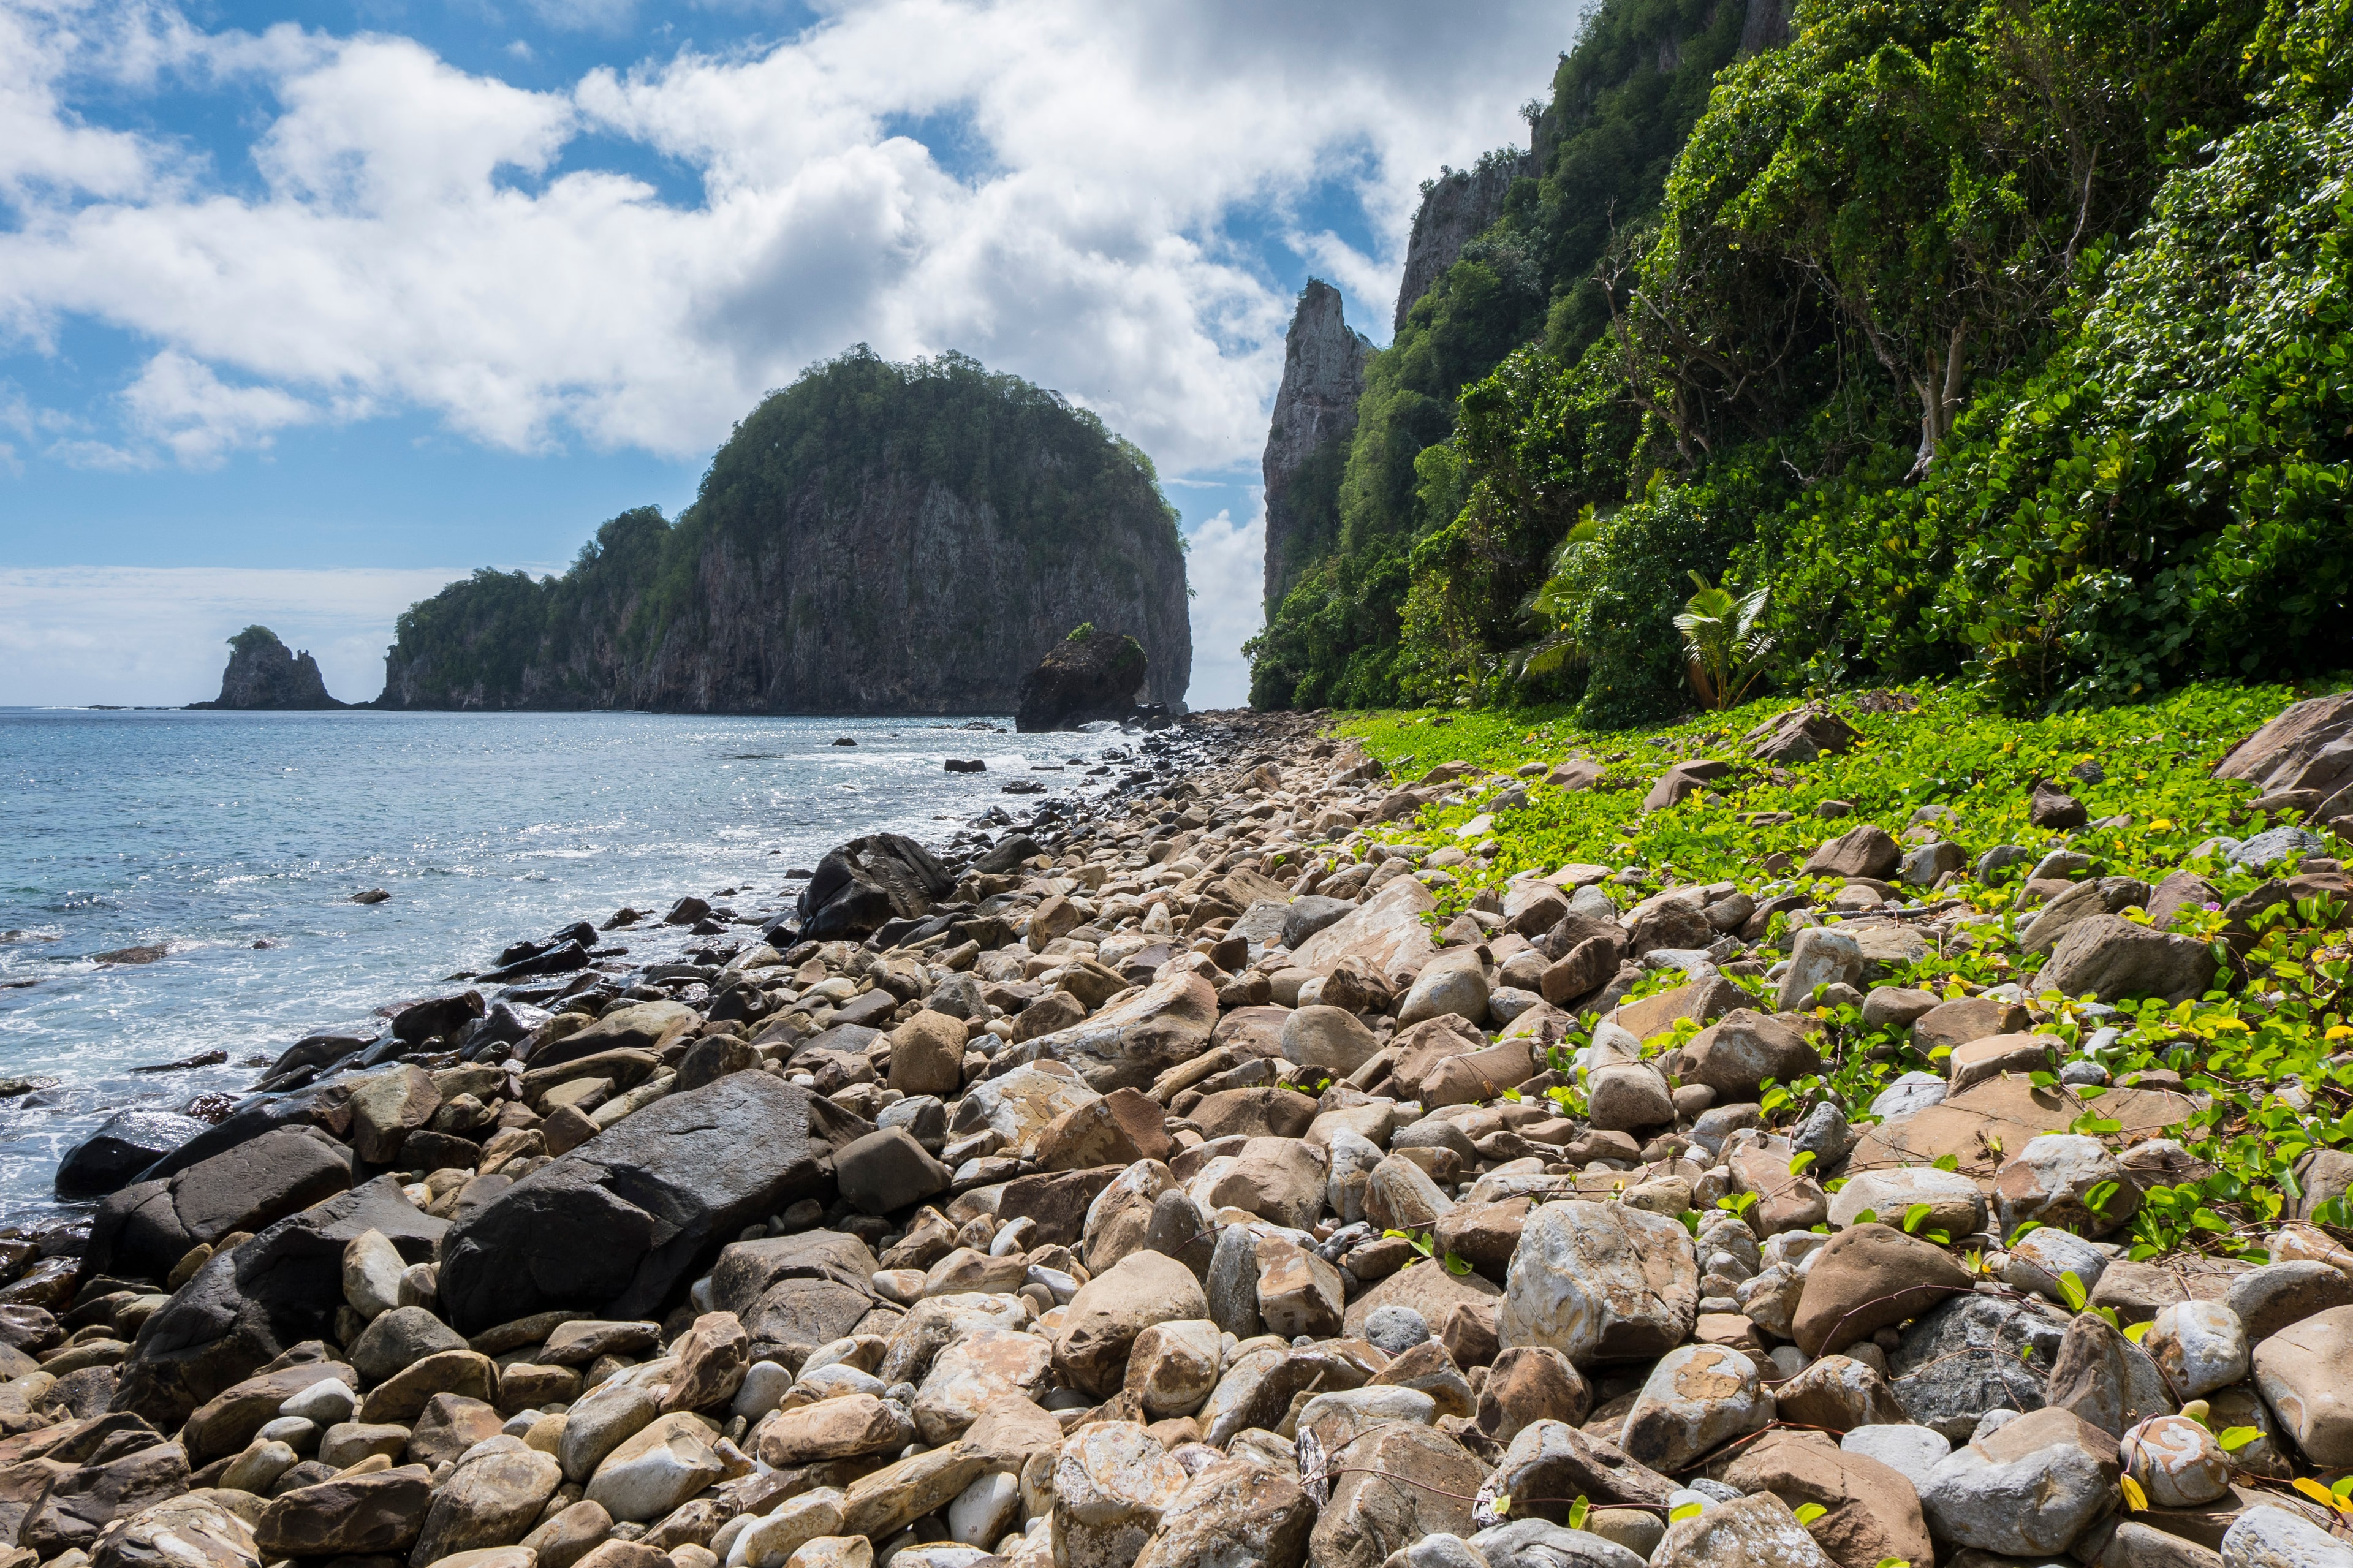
[(1688, 1510), (2138, 1332), (1502, 1504), (1947, 1161), (1914, 1215), (2044, 1080), (1457, 1265), (1578, 1511), (2096, 1200), (2071, 1291), (1865, 1216), (2234, 1438), (1810, 1511), (1798, 1165)]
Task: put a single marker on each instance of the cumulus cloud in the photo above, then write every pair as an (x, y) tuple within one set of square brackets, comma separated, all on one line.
[(1048, 185), (1080, 194)]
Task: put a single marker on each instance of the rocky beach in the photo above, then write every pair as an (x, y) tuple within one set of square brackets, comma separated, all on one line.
[(1286, 1157)]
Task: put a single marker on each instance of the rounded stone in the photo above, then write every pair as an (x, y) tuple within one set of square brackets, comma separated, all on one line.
[(2200, 1346), (2177, 1461), (1395, 1329)]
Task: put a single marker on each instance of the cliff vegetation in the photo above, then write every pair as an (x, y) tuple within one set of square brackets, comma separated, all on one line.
[(2006, 342)]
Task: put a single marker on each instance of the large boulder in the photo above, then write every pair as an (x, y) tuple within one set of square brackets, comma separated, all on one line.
[(2309, 745), (142, 1230), (2111, 958), (125, 1144), (617, 1223), (1385, 934), (1129, 1043), (256, 1303), (1601, 1282), (1087, 676), (868, 882), (326, 1108)]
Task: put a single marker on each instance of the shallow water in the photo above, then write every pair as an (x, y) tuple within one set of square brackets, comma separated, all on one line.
[(235, 841)]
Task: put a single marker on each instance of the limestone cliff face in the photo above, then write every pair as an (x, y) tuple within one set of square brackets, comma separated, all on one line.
[(878, 538), (264, 674), (1307, 443), (1454, 207)]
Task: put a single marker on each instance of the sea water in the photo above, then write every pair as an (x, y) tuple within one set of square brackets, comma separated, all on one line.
[(235, 842)]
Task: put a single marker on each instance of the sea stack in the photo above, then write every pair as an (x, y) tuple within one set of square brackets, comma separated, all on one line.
[(263, 674)]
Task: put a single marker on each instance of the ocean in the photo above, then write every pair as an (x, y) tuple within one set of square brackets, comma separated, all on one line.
[(235, 842)]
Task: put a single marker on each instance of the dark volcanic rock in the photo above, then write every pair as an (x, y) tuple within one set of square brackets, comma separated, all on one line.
[(263, 674), (142, 1230), (325, 1107), (869, 882), (252, 1304), (1307, 441), (620, 1220), (1088, 675), (129, 1143)]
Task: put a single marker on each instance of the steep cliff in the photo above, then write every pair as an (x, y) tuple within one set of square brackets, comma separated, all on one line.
[(263, 674), (1307, 443), (875, 538), (1455, 206)]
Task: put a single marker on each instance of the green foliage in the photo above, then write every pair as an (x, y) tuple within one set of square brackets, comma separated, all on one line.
[(1622, 101), (2023, 323), (2271, 1049), (1083, 631), (1720, 641), (253, 638)]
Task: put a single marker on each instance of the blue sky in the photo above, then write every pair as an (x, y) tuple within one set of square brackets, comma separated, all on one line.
[(304, 310)]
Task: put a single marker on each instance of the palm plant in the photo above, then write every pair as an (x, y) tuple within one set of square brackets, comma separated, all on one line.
[(1553, 605), (1722, 649)]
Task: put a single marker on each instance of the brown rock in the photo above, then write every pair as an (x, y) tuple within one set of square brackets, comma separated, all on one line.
[(1119, 1129), (1253, 1113), (1735, 1055), (1839, 1392), (402, 1396), (1369, 1516), (1864, 851), (712, 1359), (1955, 1024), (927, 1055), (1872, 1512), (1110, 1310), (360, 1516), (1870, 1278), (448, 1426), (1529, 1383)]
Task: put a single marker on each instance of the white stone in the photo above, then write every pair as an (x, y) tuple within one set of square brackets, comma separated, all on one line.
[(765, 1383), (987, 1511), (325, 1402), (657, 1470), (1913, 1091), (1600, 1281), (2038, 1258), (791, 1525), (2266, 1537), (1820, 956), (1697, 1398), (372, 1271), (2200, 1346), (1912, 1451)]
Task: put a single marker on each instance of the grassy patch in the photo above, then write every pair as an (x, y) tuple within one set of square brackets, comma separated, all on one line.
[(2268, 1045)]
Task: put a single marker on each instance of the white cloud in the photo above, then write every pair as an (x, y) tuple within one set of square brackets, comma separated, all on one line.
[(422, 237), (79, 634), (181, 403), (1226, 567)]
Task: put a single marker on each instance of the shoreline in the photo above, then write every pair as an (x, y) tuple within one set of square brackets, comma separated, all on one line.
[(1102, 1183)]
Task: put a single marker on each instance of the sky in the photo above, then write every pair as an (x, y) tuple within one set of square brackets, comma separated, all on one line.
[(306, 310)]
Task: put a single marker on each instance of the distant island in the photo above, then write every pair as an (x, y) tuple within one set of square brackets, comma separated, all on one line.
[(264, 675), (875, 538)]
